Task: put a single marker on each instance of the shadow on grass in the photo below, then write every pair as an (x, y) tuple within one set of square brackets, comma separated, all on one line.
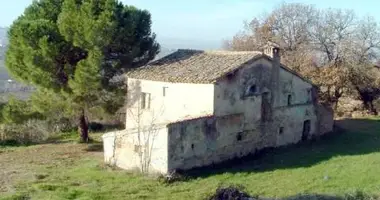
[(95, 147), (351, 137), (315, 197), (354, 196), (238, 192)]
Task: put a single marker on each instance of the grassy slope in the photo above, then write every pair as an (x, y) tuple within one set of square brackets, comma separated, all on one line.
[(336, 165)]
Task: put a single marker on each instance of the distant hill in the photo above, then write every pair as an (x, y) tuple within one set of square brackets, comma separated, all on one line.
[(164, 52), (3, 44), (3, 36)]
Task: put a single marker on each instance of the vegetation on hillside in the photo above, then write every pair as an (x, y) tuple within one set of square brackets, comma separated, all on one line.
[(343, 163), (74, 50)]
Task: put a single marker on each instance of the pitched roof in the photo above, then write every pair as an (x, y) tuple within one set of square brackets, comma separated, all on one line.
[(193, 66), (197, 66)]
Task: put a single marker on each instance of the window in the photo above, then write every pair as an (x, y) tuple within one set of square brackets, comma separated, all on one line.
[(289, 100), (306, 130), (308, 95), (281, 130), (164, 91), (145, 100), (251, 90), (239, 136)]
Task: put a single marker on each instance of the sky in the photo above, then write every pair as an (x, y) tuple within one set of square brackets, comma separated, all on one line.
[(204, 24)]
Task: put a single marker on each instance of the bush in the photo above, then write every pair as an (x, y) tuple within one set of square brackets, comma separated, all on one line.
[(32, 131), (230, 193), (358, 195), (172, 177), (18, 112)]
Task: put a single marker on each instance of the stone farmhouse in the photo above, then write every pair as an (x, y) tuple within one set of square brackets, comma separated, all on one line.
[(196, 108)]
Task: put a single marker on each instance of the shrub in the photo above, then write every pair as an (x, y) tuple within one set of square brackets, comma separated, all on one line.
[(172, 177), (231, 193), (18, 112), (32, 131), (358, 195)]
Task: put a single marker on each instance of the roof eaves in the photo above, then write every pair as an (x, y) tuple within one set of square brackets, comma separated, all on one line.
[(250, 61)]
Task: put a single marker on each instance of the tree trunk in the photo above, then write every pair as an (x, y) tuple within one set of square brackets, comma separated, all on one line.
[(367, 97), (83, 128), (373, 109), (337, 94)]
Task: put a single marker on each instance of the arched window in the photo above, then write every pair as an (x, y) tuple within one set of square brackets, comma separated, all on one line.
[(251, 90)]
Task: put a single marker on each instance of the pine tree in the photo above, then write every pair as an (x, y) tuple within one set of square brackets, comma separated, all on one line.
[(74, 48)]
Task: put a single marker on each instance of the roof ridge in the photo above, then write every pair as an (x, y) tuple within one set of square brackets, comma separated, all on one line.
[(190, 50), (217, 51), (229, 52)]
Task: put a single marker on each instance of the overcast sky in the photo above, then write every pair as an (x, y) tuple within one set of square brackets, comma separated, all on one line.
[(204, 24)]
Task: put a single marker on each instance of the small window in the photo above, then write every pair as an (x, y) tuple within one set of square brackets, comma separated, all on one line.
[(145, 100), (192, 146), (164, 91), (308, 95), (239, 136), (281, 130), (289, 100), (252, 90)]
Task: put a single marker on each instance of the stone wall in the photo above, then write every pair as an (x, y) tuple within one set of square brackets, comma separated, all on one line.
[(245, 119), (325, 116), (208, 140), (202, 124)]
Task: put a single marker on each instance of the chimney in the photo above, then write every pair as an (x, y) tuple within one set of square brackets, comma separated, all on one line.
[(272, 50)]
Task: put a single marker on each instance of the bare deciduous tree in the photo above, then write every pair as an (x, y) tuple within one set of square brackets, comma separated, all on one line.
[(146, 131), (332, 47), (144, 127)]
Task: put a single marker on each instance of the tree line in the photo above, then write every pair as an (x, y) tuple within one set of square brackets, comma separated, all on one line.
[(334, 48)]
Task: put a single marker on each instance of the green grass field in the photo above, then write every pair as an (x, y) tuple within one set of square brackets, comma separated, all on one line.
[(341, 163)]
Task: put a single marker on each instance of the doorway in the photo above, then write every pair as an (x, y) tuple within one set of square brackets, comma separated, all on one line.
[(306, 130)]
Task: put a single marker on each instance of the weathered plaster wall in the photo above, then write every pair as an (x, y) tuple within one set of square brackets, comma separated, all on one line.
[(121, 149), (325, 117), (292, 119), (201, 142), (202, 124), (209, 140), (169, 102), (245, 120), (233, 95)]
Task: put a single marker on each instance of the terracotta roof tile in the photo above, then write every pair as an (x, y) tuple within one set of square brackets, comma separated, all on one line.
[(193, 66)]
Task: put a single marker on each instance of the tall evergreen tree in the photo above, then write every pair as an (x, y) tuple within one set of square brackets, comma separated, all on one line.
[(74, 48)]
